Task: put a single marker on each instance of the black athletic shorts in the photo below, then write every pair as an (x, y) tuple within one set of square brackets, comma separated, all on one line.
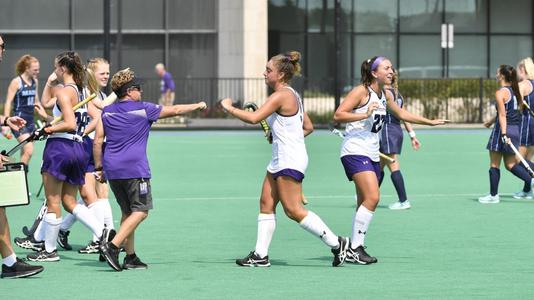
[(132, 194)]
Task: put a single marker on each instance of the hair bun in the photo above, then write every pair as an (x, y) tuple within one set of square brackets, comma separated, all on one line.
[(294, 56)]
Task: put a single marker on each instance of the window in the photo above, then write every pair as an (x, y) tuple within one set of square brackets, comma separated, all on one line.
[(420, 15), (426, 64), (375, 16), (35, 14), (508, 50), (468, 58)]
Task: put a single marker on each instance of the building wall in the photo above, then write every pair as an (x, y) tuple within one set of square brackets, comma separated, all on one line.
[(487, 33), (180, 33)]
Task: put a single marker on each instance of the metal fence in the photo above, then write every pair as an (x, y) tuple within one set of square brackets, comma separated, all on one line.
[(459, 100)]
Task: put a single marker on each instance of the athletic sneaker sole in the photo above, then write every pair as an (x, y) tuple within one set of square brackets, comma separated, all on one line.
[(255, 265), (50, 259), (27, 274)]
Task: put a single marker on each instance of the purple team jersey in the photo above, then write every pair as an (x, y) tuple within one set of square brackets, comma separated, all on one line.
[(167, 83), (126, 126)]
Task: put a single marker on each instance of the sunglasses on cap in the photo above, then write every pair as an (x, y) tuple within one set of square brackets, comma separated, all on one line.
[(137, 87)]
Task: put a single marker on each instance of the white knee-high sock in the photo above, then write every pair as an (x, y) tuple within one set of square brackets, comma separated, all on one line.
[(97, 209), (67, 222), (314, 225), (360, 224), (83, 214), (266, 227), (108, 213), (69, 218), (51, 231), (39, 234)]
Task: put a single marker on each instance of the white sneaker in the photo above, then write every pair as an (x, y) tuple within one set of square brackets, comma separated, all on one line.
[(523, 195), (489, 199), (400, 205)]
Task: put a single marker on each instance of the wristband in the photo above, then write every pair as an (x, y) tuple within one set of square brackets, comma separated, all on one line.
[(5, 121), (411, 134)]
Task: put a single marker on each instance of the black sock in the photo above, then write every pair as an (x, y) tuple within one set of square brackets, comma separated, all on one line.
[(381, 178), (521, 172), (526, 187), (398, 182), (495, 176)]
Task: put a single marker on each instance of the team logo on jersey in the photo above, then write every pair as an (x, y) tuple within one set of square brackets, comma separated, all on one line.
[(383, 102)]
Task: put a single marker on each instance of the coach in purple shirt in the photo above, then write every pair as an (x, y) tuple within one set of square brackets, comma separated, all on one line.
[(167, 85), (126, 125)]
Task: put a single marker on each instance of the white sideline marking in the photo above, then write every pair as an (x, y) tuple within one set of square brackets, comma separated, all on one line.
[(320, 197)]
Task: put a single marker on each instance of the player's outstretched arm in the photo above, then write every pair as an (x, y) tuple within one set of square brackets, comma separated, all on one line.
[(273, 103), (407, 116), (180, 109)]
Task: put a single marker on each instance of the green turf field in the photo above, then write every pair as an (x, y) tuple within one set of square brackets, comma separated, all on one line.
[(206, 187)]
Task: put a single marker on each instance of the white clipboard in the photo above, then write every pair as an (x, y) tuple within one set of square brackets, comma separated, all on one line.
[(13, 185)]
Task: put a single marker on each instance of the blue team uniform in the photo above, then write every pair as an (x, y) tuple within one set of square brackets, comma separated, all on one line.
[(513, 121), (391, 136), (23, 105), (526, 130)]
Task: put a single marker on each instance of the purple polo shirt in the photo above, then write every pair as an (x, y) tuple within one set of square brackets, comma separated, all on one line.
[(126, 126), (167, 83)]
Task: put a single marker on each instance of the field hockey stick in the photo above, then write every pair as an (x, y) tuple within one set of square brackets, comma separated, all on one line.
[(38, 219), (40, 190), (341, 135), (109, 99), (529, 109), (523, 161), (56, 120), (263, 123), (267, 130)]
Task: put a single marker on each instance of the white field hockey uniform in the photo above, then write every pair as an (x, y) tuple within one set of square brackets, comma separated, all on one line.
[(101, 95), (363, 137), (288, 149)]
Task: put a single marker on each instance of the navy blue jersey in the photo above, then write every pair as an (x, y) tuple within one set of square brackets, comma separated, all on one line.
[(390, 118), (529, 99), (526, 130), (513, 117), (24, 99)]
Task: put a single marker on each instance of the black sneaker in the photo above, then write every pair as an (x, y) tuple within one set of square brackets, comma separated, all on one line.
[(103, 259), (63, 240), (107, 235), (132, 262), (20, 269), (44, 256), (360, 256), (29, 243), (91, 248), (111, 253), (340, 254), (253, 260)]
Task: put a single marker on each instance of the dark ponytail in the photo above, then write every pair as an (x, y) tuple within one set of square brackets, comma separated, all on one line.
[(71, 60), (510, 75)]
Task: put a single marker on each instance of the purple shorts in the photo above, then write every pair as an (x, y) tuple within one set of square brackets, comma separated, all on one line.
[(358, 163), (88, 147), (66, 160), (298, 176)]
